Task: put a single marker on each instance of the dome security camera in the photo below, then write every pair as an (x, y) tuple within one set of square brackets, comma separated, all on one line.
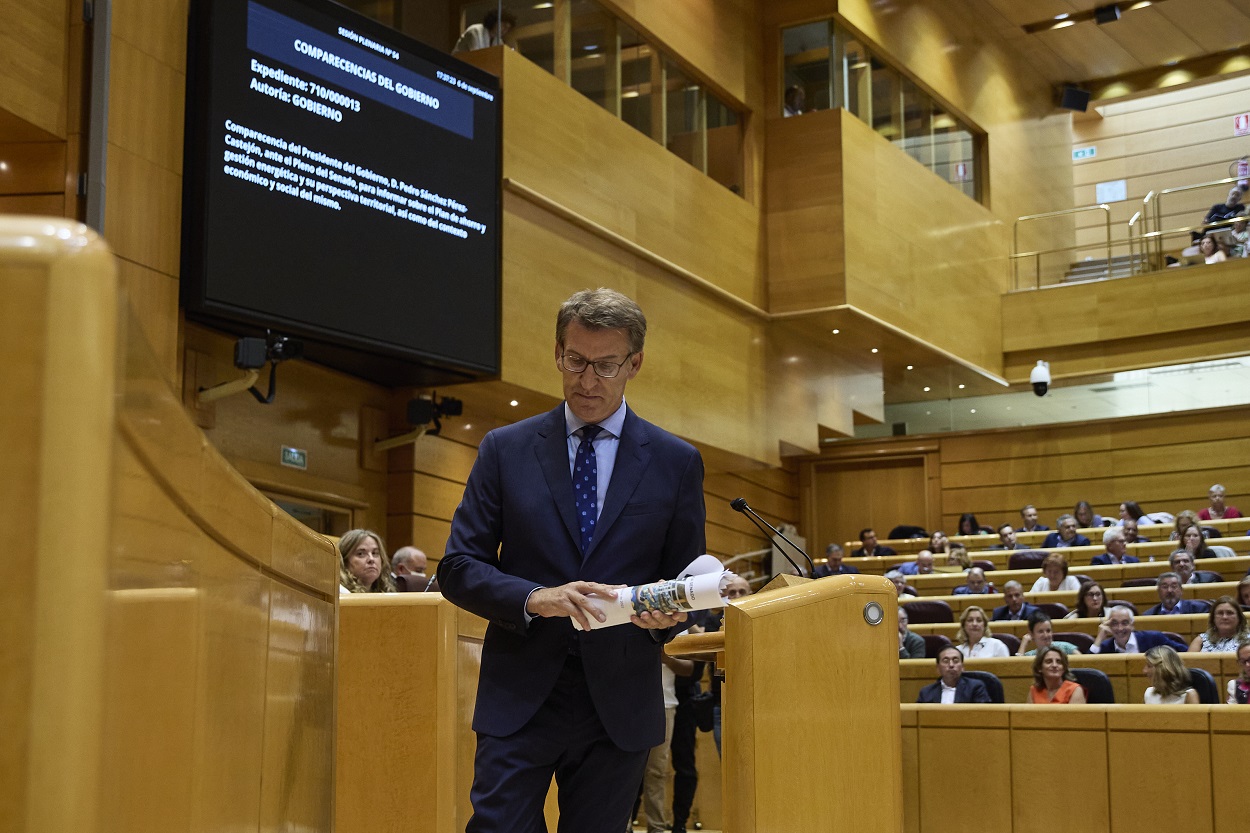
[(1039, 376)]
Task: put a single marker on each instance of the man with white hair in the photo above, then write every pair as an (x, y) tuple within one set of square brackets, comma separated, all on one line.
[(900, 585), (975, 583), (1117, 548), (408, 561), (1117, 636), (1066, 535), (1218, 510)]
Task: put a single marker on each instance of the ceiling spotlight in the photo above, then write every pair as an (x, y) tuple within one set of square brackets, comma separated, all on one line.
[(4, 167), (926, 390), (973, 411), (514, 403), (961, 387), (835, 332), (909, 367), (874, 349)]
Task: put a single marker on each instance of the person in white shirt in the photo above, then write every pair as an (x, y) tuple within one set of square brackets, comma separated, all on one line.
[(1055, 576), (655, 777), (490, 32), (973, 637)]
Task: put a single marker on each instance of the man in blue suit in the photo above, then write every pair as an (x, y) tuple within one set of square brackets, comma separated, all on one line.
[(528, 551), (833, 565), (1016, 607), (1065, 535), (1170, 601), (1116, 635), (1117, 548), (953, 687)]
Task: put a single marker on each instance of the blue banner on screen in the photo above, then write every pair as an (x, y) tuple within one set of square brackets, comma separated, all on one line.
[(344, 65)]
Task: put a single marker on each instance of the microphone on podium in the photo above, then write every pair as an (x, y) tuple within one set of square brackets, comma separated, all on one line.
[(739, 504)]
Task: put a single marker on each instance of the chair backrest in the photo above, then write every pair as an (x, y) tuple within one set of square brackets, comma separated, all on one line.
[(993, 685), (1221, 551), (1140, 581), (934, 642), (1122, 603), (1026, 559), (1204, 684), (929, 611), (1175, 636), (1055, 610), (412, 584), (1208, 576), (902, 532), (1010, 640), (1082, 641), (1203, 605), (1096, 684), (907, 588), (1210, 532), (1082, 579), (984, 565)]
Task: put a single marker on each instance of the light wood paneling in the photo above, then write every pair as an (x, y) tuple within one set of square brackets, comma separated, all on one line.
[(32, 168), (33, 76)]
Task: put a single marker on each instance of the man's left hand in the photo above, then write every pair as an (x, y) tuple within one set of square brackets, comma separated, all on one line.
[(655, 620)]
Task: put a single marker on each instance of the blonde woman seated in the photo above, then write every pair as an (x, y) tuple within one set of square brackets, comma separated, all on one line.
[(1052, 681), (973, 637), (1041, 636), (1226, 628), (1169, 678), (363, 565), (1055, 576)]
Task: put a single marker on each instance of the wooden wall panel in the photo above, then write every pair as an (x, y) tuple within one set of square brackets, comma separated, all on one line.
[(34, 74), (1165, 462), (876, 493)]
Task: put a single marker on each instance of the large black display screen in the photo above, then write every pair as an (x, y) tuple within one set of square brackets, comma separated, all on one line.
[(341, 185)]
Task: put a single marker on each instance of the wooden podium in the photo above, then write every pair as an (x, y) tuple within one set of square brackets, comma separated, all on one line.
[(810, 707)]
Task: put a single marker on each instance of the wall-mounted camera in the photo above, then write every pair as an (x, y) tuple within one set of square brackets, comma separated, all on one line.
[(1039, 376), (424, 410), (255, 353)]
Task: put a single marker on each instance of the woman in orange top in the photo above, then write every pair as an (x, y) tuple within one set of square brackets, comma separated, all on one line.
[(1052, 682)]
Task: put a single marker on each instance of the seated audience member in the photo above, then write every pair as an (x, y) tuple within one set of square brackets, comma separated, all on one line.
[(1091, 602), (1239, 687), (408, 561), (1016, 607), (953, 686), (1055, 576), (973, 637), (1117, 549), (1243, 591), (1239, 240), (900, 585), (1007, 539), (736, 589), (975, 584), (795, 101), (1226, 628), (1028, 520), (1065, 535), (1117, 636), (1041, 636), (490, 32), (1192, 542), (1218, 510), (1130, 509), (910, 644), (957, 556), (937, 542), (922, 566), (1184, 520), (1169, 678), (1211, 251), (1129, 525), (869, 546), (1226, 210), (1170, 601), (1182, 563), (833, 565), (363, 565), (1085, 515), (1053, 683), (968, 525)]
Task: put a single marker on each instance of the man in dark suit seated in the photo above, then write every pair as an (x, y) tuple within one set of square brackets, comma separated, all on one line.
[(1028, 520), (1170, 601), (1117, 636), (1129, 525), (1182, 561), (833, 565), (1117, 549), (557, 509), (953, 686), (868, 545), (1007, 535), (975, 583), (1065, 535), (1016, 607)]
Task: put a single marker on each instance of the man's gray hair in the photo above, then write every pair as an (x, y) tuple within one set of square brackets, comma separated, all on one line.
[(1111, 532), (1064, 517), (833, 548), (1118, 609), (1012, 585), (603, 309), (893, 574), (1168, 574)]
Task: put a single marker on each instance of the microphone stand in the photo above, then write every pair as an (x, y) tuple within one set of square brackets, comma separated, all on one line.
[(740, 505)]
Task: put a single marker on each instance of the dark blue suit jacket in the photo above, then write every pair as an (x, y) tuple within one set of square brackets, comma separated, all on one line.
[(1145, 641), (1106, 559), (967, 690), (1053, 539), (514, 531), (1185, 605), (1000, 613), (824, 570)]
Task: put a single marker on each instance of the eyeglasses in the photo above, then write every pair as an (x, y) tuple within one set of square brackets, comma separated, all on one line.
[(574, 363)]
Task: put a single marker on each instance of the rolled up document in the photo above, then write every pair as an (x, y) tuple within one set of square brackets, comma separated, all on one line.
[(700, 586)]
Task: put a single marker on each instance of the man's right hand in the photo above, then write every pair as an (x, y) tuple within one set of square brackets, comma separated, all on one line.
[(572, 600)]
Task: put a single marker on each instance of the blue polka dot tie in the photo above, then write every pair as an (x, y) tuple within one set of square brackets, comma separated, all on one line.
[(586, 485)]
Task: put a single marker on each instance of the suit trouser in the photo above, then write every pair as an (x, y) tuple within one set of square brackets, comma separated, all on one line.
[(566, 740), (685, 775), (655, 780)]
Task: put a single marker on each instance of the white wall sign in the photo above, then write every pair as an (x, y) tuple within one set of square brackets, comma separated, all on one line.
[(1114, 191)]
